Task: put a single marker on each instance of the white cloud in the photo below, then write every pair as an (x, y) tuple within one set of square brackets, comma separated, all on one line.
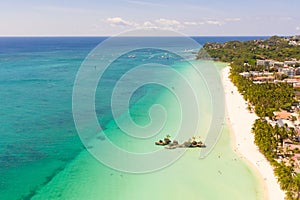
[(214, 22), (236, 19), (193, 23), (167, 22), (159, 23), (163, 23), (148, 24), (298, 28), (190, 23), (118, 21)]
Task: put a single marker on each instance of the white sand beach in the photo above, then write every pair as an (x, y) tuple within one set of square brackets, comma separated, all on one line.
[(241, 121)]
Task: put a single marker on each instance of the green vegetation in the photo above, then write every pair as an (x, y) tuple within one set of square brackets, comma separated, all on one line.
[(276, 48), (265, 98), (266, 138)]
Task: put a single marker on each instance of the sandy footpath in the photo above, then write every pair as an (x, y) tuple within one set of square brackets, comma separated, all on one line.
[(241, 121)]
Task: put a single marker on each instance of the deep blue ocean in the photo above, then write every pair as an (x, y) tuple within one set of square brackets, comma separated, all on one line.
[(38, 135)]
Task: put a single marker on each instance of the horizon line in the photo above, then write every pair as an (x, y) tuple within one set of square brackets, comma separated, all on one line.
[(144, 36)]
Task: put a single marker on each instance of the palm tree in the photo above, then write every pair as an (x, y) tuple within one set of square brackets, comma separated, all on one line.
[(167, 139), (297, 182)]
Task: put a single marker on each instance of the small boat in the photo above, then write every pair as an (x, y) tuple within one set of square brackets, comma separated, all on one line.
[(131, 56)]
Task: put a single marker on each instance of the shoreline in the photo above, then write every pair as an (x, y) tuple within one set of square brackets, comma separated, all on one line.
[(240, 122)]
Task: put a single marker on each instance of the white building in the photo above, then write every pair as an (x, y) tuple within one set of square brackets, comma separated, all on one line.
[(289, 71)]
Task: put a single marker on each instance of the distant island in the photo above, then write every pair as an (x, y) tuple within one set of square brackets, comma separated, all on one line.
[(267, 74)]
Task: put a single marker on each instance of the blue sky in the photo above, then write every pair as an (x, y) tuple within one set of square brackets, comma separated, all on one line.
[(190, 17)]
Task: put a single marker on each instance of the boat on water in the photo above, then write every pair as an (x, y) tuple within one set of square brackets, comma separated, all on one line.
[(131, 56)]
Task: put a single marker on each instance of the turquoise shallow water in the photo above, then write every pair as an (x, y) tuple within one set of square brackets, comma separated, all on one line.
[(217, 177), (42, 157), (221, 175)]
